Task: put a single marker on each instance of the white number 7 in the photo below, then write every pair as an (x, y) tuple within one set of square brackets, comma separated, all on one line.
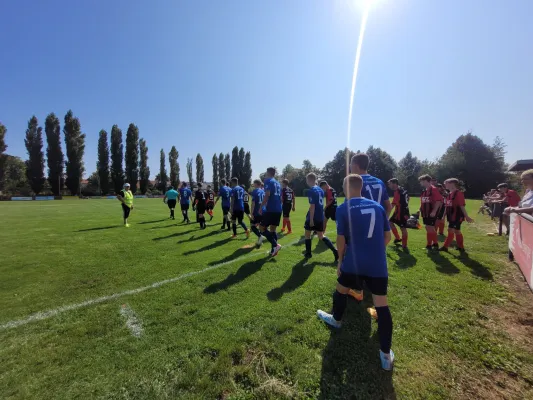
[(372, 213)]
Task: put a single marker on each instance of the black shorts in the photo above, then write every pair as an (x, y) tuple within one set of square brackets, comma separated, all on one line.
[(287, 210), (455, 225), (225, 210), (126, 211), (257, 219), (440, 214), (429, 221), (377, 286), (331, 213), (200, 208), (171, 203), (237, 215), (271, 219), (400, 220), (318, 227), (210, 205), (184, 207), (247, 208)]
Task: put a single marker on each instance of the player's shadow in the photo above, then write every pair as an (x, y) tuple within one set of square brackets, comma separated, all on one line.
[(173, 225), (246, 270), (101, 228), (194, 237), (406, 260), (476, 267), (443, 264), (299, 275), (351, 368), (236, 254), (152, 222), (210, 246), (176, 234)]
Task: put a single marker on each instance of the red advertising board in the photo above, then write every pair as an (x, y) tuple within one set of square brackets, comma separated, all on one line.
[(521, 244)]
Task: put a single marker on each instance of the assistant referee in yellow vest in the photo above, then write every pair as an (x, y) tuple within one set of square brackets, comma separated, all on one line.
[(126, 198)]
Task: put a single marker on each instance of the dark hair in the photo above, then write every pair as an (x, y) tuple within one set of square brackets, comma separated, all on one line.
[(235, 180), (224, 182), (503, 185), (393, 181), (425, 177), (285, 181), (322, 183), (199, 185), (171, 188), (361, 160), (439, 185), (271, 171), (311, 175), (258, 182), (209, 186), (184, 184)]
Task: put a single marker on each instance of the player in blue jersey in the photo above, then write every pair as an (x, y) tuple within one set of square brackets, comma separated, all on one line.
[(257, 199), (185, 195), (170, 199), (272, 214), (225, 193), (237, 207), (363, 233), (314, 221)]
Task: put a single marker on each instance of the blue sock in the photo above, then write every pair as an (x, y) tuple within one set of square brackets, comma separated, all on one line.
[(384, 328), (235, 229), (339, 305), (329, 244), (255, 230), (275, 234), (243, 226), (269, 237), (308, 246)]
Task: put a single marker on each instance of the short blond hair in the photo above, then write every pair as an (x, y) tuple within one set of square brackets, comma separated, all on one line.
[(353, 181), (528, 172)]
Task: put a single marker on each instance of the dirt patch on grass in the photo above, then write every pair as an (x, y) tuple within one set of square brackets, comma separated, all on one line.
[(496, 385)]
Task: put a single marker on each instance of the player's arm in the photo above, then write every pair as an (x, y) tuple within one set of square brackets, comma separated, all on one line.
[(252, 207), (120, 198), (293, 202), (312, 214), (387, 205), (165, 198), (467, 218), (386, 229), (436, 207), (265, 199), (341, 249)]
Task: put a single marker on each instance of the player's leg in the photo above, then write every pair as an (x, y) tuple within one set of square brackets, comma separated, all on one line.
[(384, 328), (126, 213), (243, 224), (393, 223), (308, 233), (405, 236), (449, 238), (345, 283), (459, 237), (328, 243)]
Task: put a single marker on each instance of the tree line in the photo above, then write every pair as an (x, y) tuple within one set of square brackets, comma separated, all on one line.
[(116, 164)]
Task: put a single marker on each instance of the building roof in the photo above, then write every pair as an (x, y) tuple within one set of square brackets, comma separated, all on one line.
[(521, 165)]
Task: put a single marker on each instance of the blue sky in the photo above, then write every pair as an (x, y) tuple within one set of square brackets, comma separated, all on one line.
[(271, 76)]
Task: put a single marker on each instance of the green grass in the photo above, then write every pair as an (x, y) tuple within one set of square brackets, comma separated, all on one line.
[(246, 329)]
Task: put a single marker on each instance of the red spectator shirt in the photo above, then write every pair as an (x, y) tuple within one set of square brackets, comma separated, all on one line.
[(454, 201), (429, 197), (512, 198)]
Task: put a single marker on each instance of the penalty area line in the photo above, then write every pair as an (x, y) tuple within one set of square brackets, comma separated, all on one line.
[(42, 315)]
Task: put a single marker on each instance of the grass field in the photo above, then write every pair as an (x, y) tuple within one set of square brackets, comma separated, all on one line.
[(241, 325)]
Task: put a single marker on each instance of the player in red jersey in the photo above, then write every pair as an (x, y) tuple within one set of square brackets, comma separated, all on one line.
[(400, 213), (330, 209), (431, 200), (441, 215), (289, 203), (210, 204), (456, 214)]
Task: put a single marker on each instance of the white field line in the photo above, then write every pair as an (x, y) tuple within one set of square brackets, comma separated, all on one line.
[(132, 322), (41, 315)]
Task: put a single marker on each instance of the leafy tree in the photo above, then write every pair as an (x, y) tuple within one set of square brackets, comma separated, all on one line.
[(247, 171), (221, 167), (75, 146), (163, 177), (102, 164), (174, 167), (92, 187), (35, 163), (189, 171), (199, 168), (409, 169), (227, 166), (235, 167), (54, 154), (117, 156), (3, 147), (214, 162), (132, 156), (428, 167), (144, 170), (15, 180), (336, 170), (382, 164), (474, 163), (241, 174)]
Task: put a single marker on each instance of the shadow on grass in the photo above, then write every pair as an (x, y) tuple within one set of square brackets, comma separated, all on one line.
[(152, 222), (210, 246), (101, 228), (299, 275), (476, 267), (245, 271), (443, 264), (173, 225), (406, 260), (236, 254), (351, 367), (175, 235)]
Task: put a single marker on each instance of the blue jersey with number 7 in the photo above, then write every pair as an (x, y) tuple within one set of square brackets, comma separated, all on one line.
[(374, 189), (274, 200), (363, 224)]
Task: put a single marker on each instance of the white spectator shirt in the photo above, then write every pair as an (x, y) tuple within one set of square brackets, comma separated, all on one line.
[(527, 200)]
